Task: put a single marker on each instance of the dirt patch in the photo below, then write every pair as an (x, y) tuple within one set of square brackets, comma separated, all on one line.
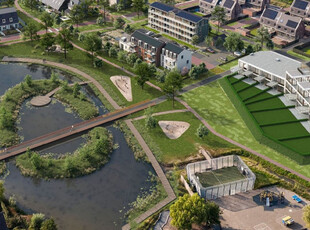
[(173, 129), (123, 83)]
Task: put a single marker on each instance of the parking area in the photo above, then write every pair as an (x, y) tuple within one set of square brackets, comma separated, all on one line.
[(211, 60), (245, 211)]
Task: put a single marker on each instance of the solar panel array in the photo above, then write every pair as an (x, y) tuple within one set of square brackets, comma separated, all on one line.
[(228, 4), (189, 16), (271, 14), (300, 4), (291, 24), (209, 1), (161, 6)]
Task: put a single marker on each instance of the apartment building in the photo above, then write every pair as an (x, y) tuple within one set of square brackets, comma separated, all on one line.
[(8, 19), (231, 7), (301, 8), (155, 51), (285, 26), (177, 23), (173, 56)]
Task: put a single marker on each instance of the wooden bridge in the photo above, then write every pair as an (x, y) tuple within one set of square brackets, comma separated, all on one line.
[(74, 129)]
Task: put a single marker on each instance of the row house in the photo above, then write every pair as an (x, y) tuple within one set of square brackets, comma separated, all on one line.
[(260, 5), (177, 23), (301, 8), (285, 26), (231, 7), (155, 51), (8, 19)]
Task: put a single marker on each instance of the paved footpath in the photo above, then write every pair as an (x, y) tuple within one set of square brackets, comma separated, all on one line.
[(161, 113)]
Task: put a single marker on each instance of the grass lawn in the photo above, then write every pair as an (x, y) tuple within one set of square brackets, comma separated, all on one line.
[(228, 65), (172, 151), (27, 20), (306, 50), (280, 131), (254, 32), (180, 42), (211, 102), (232, 24), (141, 17), (302, 57), (219, 176), (95, 26), (80, 60)]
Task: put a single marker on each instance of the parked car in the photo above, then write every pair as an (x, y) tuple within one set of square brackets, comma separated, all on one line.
[(223, 59), (210, 50), (287, 221), (237, 53)]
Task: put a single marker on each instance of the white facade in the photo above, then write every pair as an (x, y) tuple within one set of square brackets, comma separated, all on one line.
[(7, 27), (181, 61), (126, 45)]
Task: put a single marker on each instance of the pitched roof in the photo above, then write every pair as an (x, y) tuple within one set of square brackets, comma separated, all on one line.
[(56, 4), (181, 13), (173, 48), (288, 20), (291, 24), (8, 14), (147, 39), (300, 4), (2, 222), (269, 13), (228, 4)]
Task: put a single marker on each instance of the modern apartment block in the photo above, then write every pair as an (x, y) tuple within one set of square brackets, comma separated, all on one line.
[(301, 8), (231, 7), (8, 18), (177, 23), (158, 52), (285, 74), (285, 26)]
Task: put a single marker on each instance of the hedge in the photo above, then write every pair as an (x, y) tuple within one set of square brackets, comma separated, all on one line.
[(256, 130)]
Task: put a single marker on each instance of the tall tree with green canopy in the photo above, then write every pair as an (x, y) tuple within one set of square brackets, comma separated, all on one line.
[(218, 15), (172, 84), (104, 4), (77, 14), (93, 43), (233, 42), (47, 41), (6, 119), (64, 38), (262, 35), (47, 20), (144, 73), (188, 210), (31, 4), (31, 30), (138, 5), (48, 225)]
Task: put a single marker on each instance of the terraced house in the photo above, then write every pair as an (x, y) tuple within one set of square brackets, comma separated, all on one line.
[(177, 23), (8, 19), (301, 8), (253, 7), (282, 25), (231, 7)]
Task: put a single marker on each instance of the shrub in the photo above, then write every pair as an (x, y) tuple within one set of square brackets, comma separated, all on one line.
[(202, 131)]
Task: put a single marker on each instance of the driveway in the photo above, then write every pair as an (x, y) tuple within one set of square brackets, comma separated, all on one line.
[(211, 60)]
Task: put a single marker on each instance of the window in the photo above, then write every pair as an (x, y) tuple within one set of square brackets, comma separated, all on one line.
[(3, 21), (182, 57), (11, 19), (187, 61)]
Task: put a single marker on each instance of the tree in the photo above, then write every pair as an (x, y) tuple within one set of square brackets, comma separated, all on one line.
[(202, 131), (306, 215), (257, 47), (121, 56), (150, 121), (173, 83), (138, 5), (269, 44), (262, 35), (93, 43), (112, 52), (64, 38), (36, 161), (1, 191), (131, 59), (197, 71), (48, 225), (47, 41), (76, 89), (188, 210), (47, 20), (233, 42), (128, 29), (36, 221), (54, 77), (6, 119), (100, 21), (28, 80), (208, 41), (144, 73), (76, 14), (31, 30), (218, 15), (105, 4), (119, 23), (249, 49), (195, 39), (31, 4)]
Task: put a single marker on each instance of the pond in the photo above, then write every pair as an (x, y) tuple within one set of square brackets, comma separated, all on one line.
[(96, 201)]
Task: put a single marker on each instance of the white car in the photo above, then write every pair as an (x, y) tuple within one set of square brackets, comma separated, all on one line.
[(237, 53)]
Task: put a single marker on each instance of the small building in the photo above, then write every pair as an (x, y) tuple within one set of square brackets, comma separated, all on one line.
[(232, 9), (301, 8), (285, 26), (146, 47), (177, 23), (173, 56), (8, 19), (207, 6)]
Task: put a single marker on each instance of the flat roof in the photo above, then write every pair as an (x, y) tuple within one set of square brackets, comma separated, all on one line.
[(305, 85), (271, 62)]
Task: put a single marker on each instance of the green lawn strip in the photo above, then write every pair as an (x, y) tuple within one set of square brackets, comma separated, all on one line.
[(288, 130), (301, 144), (275, 108), (212, 103), (261, 92), (284, 122), (27, 19), (168, 150), (266, 103), (263, 97), (95, 26), (81, 61), (240, 85), (180, 42), (306, 50), (234, 80), (248, 91), (33, 12), (268, 117), (291, 52), (141, 17), (85, 160)]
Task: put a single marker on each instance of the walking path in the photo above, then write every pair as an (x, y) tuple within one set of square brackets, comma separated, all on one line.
[(161, 113)]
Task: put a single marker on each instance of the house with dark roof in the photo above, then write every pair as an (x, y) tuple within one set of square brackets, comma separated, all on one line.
[(301, 8), (8, 19), (173, 56), (285, 26), (177, 23), (231, 7), (259, 5)]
